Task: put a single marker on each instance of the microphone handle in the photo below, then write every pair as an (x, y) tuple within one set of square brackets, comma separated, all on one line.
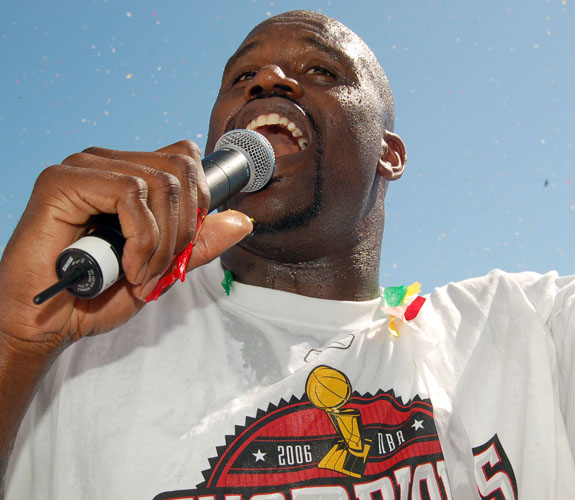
[(99, 255), (227, 172)]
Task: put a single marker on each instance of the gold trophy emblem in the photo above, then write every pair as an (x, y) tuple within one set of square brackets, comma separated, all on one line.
[(329, 390)]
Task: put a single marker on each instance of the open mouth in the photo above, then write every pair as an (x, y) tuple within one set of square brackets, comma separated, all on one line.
[(284, 135)]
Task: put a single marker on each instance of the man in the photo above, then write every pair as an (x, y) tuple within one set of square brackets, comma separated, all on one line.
[(291, 386)]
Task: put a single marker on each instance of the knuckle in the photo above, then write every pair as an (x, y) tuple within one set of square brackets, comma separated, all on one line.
[(92, 150), (135, 187), (189, 148), (183, 162), (74, 159), (169, 184), (48, 174), (190, 172), (187, 169)]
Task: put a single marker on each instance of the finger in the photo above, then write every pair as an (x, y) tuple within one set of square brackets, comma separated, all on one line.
[(182, 159), (191, 149), (64, 200), (183, 156), (163, 198), (220, 231)]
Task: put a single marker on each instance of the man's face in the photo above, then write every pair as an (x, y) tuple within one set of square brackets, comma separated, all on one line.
[(299, 84)]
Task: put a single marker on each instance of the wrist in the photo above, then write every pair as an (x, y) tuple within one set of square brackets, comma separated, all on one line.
[(17, 354)]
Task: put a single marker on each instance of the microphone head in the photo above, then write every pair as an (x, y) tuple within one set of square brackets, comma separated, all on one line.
[(257, 150)]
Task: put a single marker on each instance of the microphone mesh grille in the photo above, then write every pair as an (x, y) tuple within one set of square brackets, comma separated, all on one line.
[(258, 151)]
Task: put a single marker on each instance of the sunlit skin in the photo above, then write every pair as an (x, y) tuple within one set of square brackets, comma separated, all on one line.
[(319, 224)]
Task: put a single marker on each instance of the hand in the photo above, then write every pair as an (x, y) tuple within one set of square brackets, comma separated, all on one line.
[(156, 196)]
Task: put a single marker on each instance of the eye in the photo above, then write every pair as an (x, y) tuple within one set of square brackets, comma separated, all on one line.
[(319, 70), (246, 75)]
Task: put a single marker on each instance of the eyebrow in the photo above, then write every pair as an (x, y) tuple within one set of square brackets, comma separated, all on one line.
[(245, 50), (337, 54)]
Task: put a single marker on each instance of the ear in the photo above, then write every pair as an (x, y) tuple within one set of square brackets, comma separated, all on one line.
[(393, 157)]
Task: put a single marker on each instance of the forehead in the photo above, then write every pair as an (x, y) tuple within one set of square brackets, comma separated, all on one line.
[(325, 35)]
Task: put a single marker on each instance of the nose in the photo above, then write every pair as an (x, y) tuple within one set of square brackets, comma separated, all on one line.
[(271, 78)]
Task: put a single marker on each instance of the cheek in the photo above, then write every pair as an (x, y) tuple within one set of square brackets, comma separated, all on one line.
[(224, 110), (352, 153), (356, 128)]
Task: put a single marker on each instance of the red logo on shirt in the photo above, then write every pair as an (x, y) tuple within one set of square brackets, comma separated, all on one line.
[(336, 444)]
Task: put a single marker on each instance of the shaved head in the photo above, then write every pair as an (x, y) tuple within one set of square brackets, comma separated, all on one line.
[(357, 50)]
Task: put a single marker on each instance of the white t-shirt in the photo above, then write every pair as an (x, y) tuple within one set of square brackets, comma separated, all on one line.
[(267, 395)]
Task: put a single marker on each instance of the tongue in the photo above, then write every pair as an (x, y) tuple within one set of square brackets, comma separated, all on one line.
[(281, 140)]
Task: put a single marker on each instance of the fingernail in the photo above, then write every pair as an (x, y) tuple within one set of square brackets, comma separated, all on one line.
[(149, 288)]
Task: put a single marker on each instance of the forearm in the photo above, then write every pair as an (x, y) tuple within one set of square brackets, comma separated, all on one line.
[(20, 374)]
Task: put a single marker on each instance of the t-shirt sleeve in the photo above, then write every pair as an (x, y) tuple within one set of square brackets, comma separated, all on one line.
[(553, 297)]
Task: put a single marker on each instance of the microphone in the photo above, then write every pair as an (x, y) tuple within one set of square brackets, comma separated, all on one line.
[(243, 160)]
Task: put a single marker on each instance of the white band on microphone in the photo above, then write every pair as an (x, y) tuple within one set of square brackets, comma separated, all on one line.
[(103, 253)]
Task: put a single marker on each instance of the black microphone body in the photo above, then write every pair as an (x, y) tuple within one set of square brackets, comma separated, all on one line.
[(243, 160), (227, 172)]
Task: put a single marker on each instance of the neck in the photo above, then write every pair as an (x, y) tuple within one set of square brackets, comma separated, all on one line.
[(354, 276)]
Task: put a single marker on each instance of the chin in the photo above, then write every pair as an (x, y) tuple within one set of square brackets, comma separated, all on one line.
[(281, 206), (293, 247)]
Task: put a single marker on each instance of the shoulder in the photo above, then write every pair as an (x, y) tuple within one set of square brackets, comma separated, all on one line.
[(499, 281), (540, 292)]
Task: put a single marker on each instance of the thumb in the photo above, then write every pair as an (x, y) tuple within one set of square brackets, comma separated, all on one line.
[(219, 232)]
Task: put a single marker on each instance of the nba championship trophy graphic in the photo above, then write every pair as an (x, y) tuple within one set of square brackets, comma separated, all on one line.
[(329, 390)]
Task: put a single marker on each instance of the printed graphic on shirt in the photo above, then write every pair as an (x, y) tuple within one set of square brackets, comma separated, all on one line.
[(493, 472), (329, 390), (334, 443)]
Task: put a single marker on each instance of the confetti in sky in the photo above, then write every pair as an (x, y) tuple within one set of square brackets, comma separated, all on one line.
[(483, 97)]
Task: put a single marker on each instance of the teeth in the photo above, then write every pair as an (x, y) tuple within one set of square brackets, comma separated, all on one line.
[(262, 120), (273, 119), (282, 121)]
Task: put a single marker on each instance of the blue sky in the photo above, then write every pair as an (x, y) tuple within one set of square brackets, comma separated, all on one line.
[(483, 93)]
